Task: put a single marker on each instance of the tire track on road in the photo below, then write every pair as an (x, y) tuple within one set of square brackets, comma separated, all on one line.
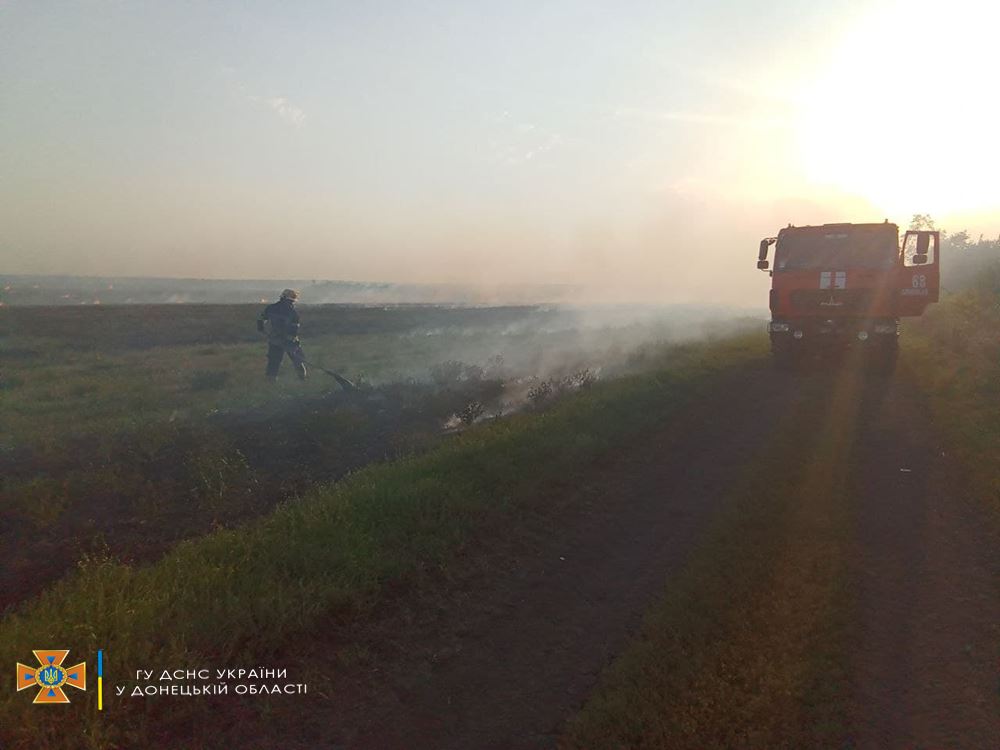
[(926, 667)]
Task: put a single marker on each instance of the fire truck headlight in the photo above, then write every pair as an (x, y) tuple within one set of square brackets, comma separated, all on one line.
[(797, 334), (778, 327), (862, 335)]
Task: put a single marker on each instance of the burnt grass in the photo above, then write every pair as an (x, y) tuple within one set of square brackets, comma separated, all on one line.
[(138, 327), (132, 495)]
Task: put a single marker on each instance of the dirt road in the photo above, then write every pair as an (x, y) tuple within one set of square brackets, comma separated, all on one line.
[(503, 653), (926, 667)]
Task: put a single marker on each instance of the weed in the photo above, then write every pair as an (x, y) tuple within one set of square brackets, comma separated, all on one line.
[(223, 482), (471, 412), (578, 380), (541, 393)]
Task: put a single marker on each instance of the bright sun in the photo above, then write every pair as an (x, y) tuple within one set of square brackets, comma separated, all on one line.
[(907, 114)]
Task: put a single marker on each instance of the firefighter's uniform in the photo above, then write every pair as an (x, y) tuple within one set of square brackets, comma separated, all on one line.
[(282, 334)]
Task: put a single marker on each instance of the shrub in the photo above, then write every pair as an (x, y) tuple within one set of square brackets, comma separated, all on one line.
[(578, 380), (471, 412), (540, 393)]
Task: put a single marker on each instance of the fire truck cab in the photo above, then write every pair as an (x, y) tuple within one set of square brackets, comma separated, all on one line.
[(846, 286)]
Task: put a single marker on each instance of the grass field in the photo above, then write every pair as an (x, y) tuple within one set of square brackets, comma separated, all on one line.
[(96, 370), (239, 594), (746, 648), (955, 352), (100, 369), (128, 429)]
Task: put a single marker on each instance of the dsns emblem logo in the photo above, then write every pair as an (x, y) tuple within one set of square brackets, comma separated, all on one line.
[(50, 676)]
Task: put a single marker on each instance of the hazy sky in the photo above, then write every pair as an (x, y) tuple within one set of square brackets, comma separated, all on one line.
[(641, 145)]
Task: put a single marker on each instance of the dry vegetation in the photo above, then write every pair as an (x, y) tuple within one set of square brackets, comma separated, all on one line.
[(242, 593), (746, 649), (126, 430)]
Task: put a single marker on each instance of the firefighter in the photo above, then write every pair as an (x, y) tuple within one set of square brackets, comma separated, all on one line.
[(282, 335)]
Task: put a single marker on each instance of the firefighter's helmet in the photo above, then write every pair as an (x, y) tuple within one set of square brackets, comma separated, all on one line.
[(290, 294)]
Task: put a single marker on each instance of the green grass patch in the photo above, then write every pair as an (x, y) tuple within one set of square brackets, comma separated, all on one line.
[(242, 594), (954, 358)]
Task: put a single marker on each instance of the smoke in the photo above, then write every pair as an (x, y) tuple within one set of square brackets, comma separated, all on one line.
[(553, 342), (552, 351)]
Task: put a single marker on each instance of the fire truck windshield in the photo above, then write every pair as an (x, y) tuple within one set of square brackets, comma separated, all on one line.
[(847, 247)]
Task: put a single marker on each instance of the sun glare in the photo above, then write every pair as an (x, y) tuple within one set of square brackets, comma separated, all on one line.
[(905, 116)]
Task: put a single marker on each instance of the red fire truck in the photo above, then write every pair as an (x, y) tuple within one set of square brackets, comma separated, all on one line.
[(840, 286)]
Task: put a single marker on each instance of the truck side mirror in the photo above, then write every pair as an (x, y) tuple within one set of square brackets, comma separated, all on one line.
[(923, 244), (920, 248), (762, 254)]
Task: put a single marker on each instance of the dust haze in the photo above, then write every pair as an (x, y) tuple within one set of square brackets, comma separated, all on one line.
[(605, 158)]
